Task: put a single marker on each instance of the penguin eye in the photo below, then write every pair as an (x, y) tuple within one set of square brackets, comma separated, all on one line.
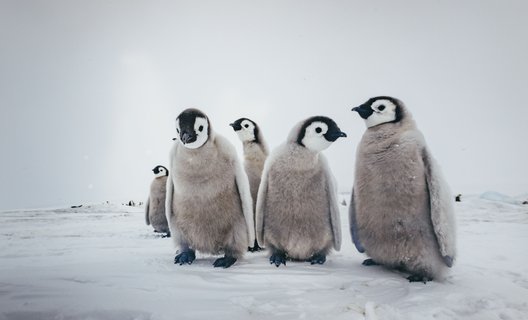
[(200, 128), (318, 130), (246, 125), (381, 108)]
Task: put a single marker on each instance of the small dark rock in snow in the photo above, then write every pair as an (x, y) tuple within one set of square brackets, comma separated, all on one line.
[(74, 207), (525, 202), (343, 203), (458, 198)]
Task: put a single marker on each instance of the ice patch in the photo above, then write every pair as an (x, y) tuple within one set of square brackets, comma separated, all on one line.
[(499, 197)]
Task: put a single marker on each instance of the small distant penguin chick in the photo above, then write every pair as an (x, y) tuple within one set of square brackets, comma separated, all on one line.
[(297, 209), (208, 206), (155, 205), (255, 154), (401, 211)]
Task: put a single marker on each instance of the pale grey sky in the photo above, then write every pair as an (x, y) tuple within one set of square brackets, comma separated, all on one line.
[(89, 90)]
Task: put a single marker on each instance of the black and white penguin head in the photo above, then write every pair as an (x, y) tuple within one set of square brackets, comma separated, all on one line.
[(379, 110), (246, 129), (318, 133), (192, 126), (160, 171)]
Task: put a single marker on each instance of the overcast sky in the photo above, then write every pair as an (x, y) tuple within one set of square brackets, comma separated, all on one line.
[(89, 90)]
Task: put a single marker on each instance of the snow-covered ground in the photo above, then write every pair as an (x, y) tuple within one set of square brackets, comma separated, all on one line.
[(103, 262)]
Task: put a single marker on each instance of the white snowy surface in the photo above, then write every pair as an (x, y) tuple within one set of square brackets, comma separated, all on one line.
[(103, 262)]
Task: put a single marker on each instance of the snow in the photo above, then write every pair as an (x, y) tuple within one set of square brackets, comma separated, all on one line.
[(102, 262)]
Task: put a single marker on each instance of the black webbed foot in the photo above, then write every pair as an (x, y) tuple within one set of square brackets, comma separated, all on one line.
[(224, 262), (317, 258), (278, 258), (255, 248), (370, 262), (186, 257), (418, 278)]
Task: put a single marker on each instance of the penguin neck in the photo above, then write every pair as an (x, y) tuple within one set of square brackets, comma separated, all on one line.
[(382, 137), (387, 130), (199, 155), (304, 158), (254, 151)]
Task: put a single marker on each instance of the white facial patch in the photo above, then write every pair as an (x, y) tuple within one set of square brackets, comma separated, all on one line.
[(247, 131), (161, 173), (314, 138), (384, 111)]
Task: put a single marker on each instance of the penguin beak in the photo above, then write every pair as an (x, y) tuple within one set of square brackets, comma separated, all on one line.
[(333, 136), (187, 137), (235, 126), (364, 111)]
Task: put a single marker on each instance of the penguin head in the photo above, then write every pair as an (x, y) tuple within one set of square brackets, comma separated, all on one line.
[(160, 171), (192, 126), (379, 110), (318, 133), (246, 129)]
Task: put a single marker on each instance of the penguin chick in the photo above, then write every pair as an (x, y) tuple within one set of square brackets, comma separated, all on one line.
[(208, 205), (401, 212), (255, 154), (297, 209), (155, 205)]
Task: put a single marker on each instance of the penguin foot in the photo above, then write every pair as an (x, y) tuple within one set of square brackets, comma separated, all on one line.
[(418, 278), (370, 262), (186, 257), (166, 235), (255, 248), (278, 258), (317, 258), (224, 262)]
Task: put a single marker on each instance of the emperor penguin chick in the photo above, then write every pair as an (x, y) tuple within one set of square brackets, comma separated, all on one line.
[(401, 212), (208, 205), (297, 210), (155, 205), (255, 154)]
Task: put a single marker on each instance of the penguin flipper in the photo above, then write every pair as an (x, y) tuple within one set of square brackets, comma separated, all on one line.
[(242, 184), (147, 205), (331, 189), (169, 214), (261, 204), (442, 209), (353, 224)]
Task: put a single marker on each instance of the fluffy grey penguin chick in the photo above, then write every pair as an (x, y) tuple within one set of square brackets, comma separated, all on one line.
[(401, 212), (255, 154), (297, 210), (209, 205), (155, 205)]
